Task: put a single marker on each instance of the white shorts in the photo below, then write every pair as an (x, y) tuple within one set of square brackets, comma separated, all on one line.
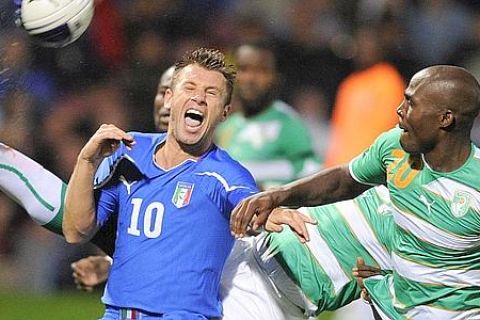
[(247, 292)]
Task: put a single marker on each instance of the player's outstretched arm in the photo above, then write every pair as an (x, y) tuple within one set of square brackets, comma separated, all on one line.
[(325, 187), (91, 271), (79, 221), (33, 187)]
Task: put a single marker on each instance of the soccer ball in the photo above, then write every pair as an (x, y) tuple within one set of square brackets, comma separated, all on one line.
[(56, 23)]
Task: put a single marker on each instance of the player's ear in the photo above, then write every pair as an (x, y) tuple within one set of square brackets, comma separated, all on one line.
[(448, 118), (226, 111)]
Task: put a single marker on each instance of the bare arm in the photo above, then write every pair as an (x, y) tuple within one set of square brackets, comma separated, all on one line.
[(325, 187), (79, 220)]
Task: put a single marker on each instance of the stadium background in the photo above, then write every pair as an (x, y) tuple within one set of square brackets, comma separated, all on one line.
[(51, 100)]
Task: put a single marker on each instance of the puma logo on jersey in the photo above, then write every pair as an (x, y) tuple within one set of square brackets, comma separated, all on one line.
[(127, 184), (384, 210), (427, 203)]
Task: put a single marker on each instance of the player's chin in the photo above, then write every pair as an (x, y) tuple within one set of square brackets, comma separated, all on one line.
[(195, 137), (408, 144)]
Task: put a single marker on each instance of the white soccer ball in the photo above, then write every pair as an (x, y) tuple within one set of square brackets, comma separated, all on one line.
[(56, 23)]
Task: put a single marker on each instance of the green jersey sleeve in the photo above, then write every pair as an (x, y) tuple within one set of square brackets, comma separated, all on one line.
[(370, 167)]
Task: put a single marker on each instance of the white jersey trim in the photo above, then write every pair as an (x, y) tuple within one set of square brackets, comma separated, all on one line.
[(431, 234), (324, 256), (222, 180), (428, 312), (350, 169), (363, 232), (445, 277)]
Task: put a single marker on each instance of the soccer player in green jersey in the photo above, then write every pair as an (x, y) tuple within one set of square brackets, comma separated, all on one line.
[(266, 135), (431, 170)]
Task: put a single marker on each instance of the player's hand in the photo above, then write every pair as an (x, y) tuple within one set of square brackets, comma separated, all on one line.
[(295, 219), (90, 272), (252, 211), (362, 271), (104, 142)]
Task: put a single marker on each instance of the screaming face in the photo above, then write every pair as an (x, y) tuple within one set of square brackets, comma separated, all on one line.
[(197, 104)]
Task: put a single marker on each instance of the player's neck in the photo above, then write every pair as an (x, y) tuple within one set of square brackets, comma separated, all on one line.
[(171, 154), (448, 157)]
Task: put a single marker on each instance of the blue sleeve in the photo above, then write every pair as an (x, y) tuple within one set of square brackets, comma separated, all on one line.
[(244, 186), (106, 203)]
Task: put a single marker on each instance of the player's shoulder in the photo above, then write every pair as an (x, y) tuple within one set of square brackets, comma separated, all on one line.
[(288, 117), (389, 139), (145, 143), (220, 161), (283, 110), (473, 163)]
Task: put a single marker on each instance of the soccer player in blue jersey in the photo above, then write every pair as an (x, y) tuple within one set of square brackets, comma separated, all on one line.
[(173, 194)]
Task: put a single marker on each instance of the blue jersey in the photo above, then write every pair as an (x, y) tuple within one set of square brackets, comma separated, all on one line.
[(173, 226)]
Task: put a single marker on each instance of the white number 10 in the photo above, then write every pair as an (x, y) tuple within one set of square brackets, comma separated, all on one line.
[(152, 220)]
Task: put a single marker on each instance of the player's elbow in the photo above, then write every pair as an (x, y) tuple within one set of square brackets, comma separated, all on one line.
[(76, 232), (72, 237)]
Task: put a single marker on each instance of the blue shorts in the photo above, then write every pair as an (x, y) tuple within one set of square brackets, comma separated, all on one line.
[(114, 313)]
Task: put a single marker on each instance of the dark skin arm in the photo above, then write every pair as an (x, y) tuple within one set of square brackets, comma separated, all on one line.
[(325, 187)]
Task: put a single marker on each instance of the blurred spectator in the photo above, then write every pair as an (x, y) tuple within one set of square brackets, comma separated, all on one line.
[(366, 100), (16, 65), (17, 121), (76, 117), (265, 134)]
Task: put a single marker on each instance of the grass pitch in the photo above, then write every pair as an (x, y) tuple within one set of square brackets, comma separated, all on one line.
[(69, 305)]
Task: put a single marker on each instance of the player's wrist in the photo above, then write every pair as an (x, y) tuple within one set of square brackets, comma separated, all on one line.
[(278, 196), (87, 162)]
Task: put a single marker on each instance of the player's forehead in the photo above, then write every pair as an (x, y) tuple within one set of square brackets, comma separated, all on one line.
[(421, 83), (198, 75)]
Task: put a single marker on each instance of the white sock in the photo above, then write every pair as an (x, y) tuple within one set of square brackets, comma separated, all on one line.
[(36, 189)]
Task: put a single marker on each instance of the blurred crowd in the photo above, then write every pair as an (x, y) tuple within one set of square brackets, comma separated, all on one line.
[(331, 53)]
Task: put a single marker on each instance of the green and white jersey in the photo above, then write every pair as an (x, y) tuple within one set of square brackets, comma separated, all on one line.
[(322, 267), (275, 145), (436, 234)]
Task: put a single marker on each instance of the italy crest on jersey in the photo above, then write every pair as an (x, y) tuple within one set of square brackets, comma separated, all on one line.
[(183, 194), (461, 203)]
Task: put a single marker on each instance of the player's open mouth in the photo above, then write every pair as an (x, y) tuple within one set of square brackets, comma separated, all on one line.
[(193, 118)]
